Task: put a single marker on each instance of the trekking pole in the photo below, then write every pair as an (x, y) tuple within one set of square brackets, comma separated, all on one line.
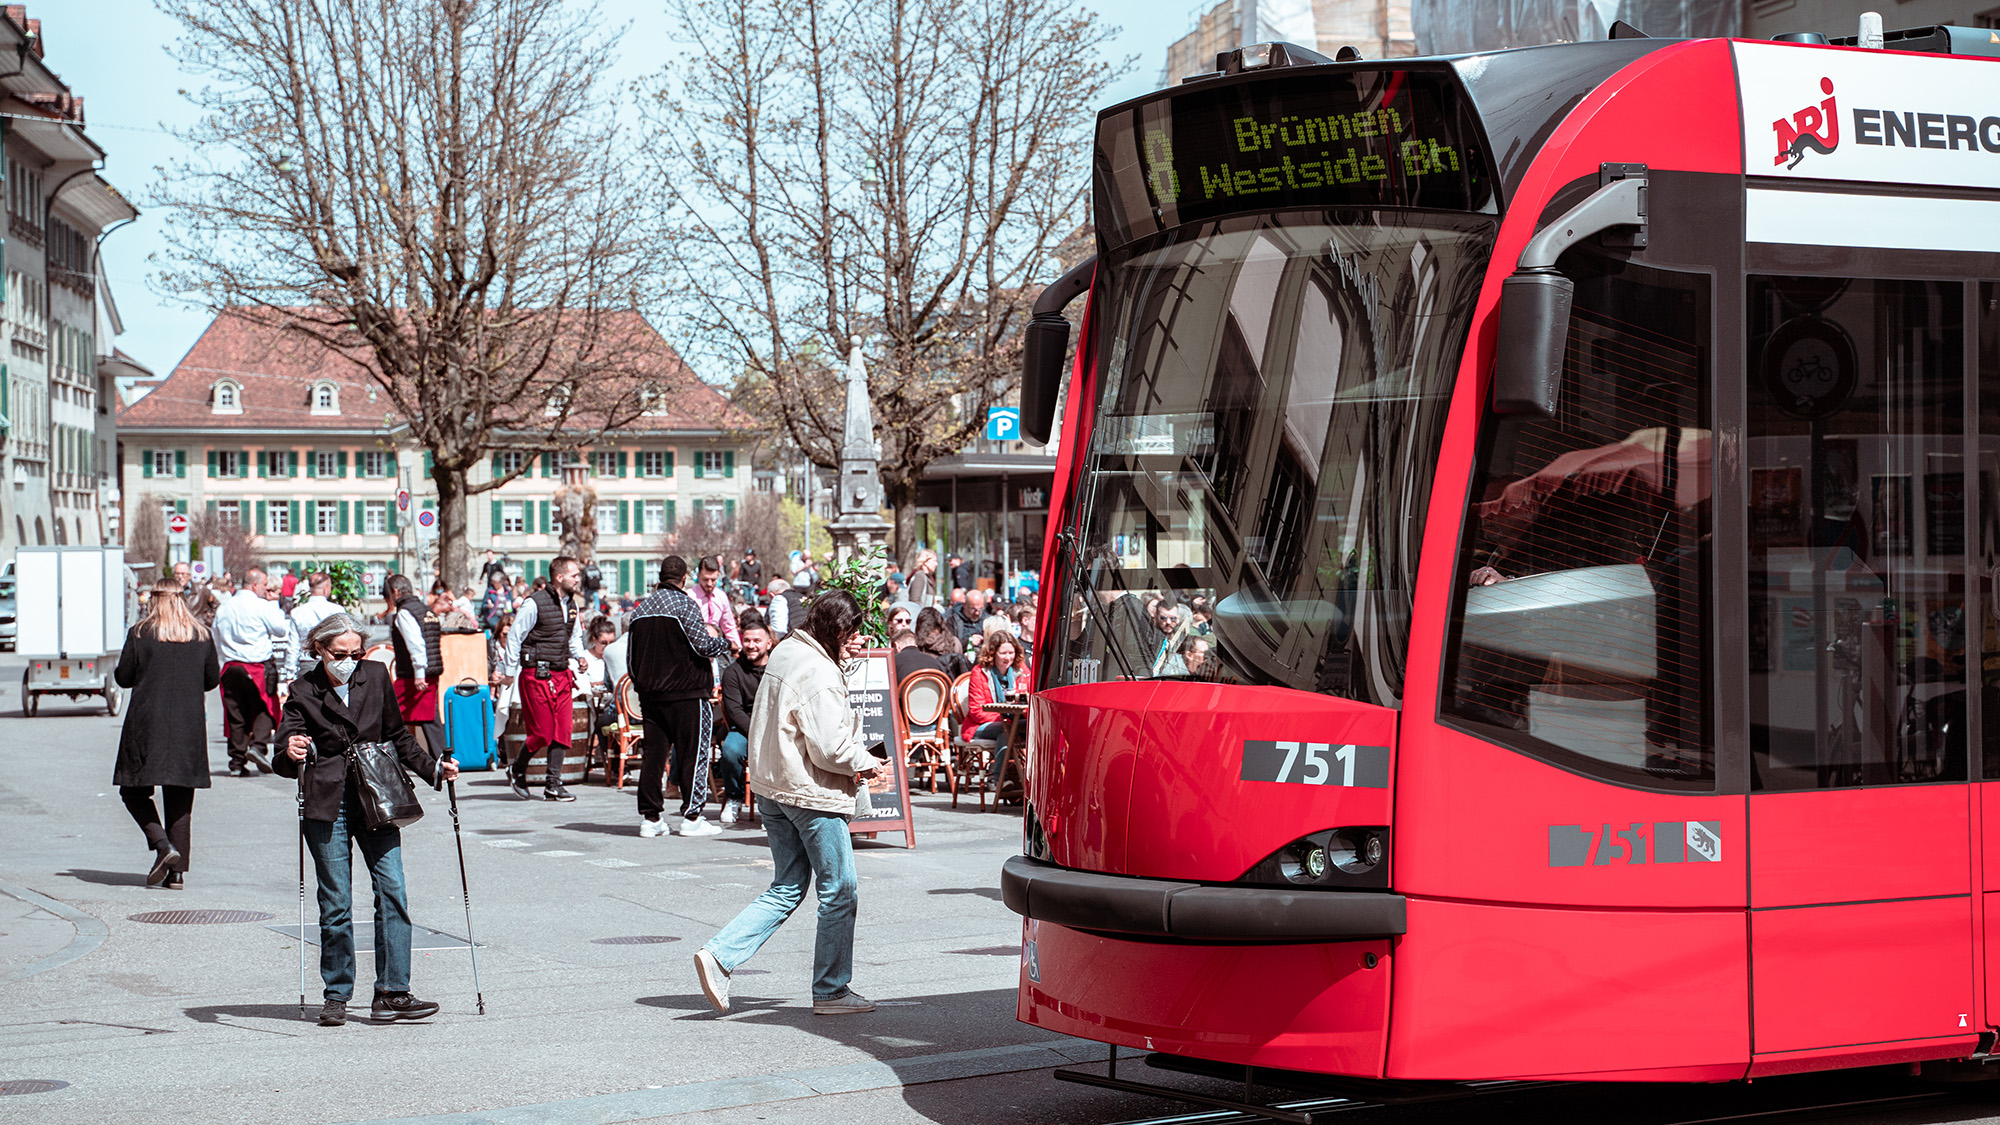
[(472, 943), (302, 886)]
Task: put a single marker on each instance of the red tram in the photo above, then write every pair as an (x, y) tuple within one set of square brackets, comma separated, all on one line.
[(1521, 593)]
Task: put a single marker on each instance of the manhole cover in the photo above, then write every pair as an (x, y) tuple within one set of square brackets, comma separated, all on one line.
[(199, 917), (642, 939), (30, 1086)]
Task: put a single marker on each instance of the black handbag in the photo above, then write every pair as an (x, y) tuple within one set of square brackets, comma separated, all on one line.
[(381, 787)]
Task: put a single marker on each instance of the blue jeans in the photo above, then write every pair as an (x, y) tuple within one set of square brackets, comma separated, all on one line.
[(804, 843), (998, 733), (730, 763), (331, 844)]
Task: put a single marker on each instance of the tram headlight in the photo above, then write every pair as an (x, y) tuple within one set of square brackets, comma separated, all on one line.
[(1334, 857)]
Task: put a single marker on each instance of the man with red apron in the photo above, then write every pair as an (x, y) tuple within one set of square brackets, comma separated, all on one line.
[(544, 643), (413, 631), (249, 631)]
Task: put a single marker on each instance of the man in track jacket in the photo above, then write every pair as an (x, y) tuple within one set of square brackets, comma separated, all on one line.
[(668, 658)]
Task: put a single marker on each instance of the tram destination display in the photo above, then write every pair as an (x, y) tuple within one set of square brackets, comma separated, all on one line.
[(1347, 138)]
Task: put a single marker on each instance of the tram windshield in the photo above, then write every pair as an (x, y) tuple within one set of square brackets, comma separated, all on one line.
[(1253, 494)]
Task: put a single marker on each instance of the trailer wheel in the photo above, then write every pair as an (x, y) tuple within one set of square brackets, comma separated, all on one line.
[(112, 699), (31, 704)]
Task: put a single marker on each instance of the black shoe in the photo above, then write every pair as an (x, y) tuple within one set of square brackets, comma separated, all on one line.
[(390, 1006), (333, 1013), (257, 758), (241, 771), (174, 882), (520, 785), (164, 865), (556, 792)]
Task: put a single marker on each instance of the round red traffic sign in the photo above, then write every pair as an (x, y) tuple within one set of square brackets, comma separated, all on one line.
[(177, 524), (427, 518), (402, 499)]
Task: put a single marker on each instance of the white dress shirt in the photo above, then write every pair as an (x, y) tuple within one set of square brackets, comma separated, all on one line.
[(413, 642), (305, 615), (249, 628)]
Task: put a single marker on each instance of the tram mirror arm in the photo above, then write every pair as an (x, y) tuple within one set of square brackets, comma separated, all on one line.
[(1535, 300), (1045, 351)]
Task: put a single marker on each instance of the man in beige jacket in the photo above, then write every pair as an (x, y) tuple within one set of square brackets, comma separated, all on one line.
[(806, 760)]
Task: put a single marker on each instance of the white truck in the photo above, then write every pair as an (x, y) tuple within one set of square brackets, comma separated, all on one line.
[(74, 606)]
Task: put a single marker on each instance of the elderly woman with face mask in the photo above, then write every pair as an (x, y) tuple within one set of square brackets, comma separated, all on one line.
[(343, 702)]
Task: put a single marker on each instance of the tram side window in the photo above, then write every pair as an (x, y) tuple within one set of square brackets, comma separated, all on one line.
[(1582, 633), (1856, 476)]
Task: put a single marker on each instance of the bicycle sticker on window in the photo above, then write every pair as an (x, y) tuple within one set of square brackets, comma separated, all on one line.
[(1316, 763)]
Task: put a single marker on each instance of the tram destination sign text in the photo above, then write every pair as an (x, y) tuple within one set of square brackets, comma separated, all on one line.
[(1345, 138)]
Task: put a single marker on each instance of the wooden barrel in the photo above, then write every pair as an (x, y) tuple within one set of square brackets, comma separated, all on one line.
[(574, 761)]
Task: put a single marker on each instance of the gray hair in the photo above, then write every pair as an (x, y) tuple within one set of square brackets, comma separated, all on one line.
[(331, 626)]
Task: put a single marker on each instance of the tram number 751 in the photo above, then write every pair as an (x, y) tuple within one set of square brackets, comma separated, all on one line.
[(1316, 763)]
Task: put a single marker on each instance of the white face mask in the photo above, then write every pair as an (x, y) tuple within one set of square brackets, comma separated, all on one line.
[(342, 670)]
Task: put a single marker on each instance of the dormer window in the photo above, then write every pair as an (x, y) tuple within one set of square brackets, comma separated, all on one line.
[(325, 398), (226, 397)]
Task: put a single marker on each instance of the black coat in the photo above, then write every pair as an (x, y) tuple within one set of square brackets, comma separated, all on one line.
[(369, 715), (165, 740)]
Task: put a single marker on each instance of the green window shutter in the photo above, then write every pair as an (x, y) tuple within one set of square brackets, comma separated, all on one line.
[(670, 462), (180, 507), (343, 515), (670, 517), (180, 464), (146, 463), (729, 463), (343, 463), (698, 459), (391, 462), (262, 526), (624, 461), (544, 506), (211, 462), (293, 514), (729, 514), (496, 466), (262, 464), (312, 466), (390, 526), (293, 458), (548, 464), (624, 517), (624, 575), (243, 462), (496, 517), (211, 507)]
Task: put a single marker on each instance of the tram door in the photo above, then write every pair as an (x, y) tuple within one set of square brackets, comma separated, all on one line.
[(1862, 930)]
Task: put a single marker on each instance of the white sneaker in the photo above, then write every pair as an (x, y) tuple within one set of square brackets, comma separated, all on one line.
[(714, 979), (732, 812), (696, 826), (650, 827)]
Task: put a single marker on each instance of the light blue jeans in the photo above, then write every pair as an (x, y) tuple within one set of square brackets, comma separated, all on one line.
[(332, 844), (804, 843)]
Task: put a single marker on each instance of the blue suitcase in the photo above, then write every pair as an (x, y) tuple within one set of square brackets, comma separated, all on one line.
[(467, 711)]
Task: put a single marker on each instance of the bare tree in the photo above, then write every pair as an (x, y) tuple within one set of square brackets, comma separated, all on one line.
[(898, 172), (146, 532), (434, 188)]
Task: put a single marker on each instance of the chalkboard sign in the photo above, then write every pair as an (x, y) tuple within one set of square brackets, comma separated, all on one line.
[(871, 693)]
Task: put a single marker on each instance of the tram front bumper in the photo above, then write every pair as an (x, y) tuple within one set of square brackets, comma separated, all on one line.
[(1086, 900)]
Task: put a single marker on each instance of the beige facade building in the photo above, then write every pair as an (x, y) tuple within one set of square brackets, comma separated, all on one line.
[(297, 446), (1377, 28)]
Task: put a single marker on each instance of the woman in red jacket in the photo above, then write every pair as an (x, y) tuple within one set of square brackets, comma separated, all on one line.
[(988, 684)]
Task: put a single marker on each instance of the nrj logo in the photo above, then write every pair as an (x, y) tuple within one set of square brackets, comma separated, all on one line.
[(1816, 127)]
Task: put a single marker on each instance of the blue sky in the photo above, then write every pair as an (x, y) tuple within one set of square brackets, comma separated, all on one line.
[(118, 54)]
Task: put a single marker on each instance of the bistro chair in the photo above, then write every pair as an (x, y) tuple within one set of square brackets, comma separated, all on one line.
[(625, 741), (924, 700), (972, 757)]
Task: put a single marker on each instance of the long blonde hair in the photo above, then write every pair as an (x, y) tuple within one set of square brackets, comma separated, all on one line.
[(167, 617)]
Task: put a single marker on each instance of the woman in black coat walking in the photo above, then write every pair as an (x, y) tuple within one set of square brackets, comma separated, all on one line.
[(169, 664), (343, 702)]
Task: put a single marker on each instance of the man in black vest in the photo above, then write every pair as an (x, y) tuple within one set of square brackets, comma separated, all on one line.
[(669, 658), (413, 632), (544, 644)]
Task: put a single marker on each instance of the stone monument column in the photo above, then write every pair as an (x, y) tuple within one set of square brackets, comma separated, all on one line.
[(858, 527)]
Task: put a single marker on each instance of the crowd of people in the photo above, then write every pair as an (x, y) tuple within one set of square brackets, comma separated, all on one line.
[(738, 677)]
